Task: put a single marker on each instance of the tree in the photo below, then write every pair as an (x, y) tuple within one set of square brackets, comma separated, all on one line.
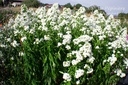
[(93, 8), (68, 5), (78, 6), (31, 3)]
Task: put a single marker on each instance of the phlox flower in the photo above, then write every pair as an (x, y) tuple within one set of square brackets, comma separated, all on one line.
[(36, 41), (60, 34), (12, 58), (32, 31), (82, 38), (120, 73), (75, 62), (102, 37), (86, 66), (97, 47), (112, 59), (78, 82), (8, 39), (91, 59), (46, 37), (14, 43), (79, 73), (66, 63), (89, 70), (79, 56), (66, 77), (66, 39), (96, 12), (2, 45), (59, 44), (68, 47), (26, 28), (21, 53), (23, 38)]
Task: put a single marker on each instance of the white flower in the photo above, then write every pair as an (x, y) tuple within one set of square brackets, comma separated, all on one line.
[(21, 53), (26, 28), (97, 47), (46, 37), (104, 61), (59, 44), (101, 37), (44, 28), (74, 62), (8, 39), (12, 58), (67, 47), (23, 38), (112, 59), (36, 41), (78, 82), (90, 70), (79, 73), (14, 43), (60, 34), (118, 72), (79, 56), (121, 55), (86, 66), (82, 38), (66, 77), (66, 63), (32, 31), (69, 54), (96, 12), (2, 45), (67, 39), (122, 75), (91, 59)]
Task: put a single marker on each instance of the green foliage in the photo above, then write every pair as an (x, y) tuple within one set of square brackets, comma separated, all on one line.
[(31, 3), (124, 19), (123, 16), (78, 6), (5, 15), (36, 46), (68, 5)]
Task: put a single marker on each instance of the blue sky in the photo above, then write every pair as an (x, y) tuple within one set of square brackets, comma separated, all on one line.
[(110, 6)]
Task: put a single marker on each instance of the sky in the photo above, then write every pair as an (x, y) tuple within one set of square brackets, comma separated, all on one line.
[(110, 6)]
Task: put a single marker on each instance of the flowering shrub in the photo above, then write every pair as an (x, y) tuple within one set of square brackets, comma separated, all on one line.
[(51, 47)]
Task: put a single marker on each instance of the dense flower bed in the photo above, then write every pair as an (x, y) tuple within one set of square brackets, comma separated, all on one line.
[(53, 47)]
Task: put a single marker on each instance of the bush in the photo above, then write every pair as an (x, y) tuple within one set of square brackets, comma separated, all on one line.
[(50, 47)]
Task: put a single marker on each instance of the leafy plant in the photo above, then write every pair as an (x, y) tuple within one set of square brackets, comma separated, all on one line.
[(50, 47)]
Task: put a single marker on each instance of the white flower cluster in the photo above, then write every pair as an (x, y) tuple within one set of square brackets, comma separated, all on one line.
[(85, 38), (67, 77), (120, 73)]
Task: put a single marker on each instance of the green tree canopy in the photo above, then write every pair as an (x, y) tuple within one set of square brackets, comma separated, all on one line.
[(31, 3), (68, 5), (78, 6)]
